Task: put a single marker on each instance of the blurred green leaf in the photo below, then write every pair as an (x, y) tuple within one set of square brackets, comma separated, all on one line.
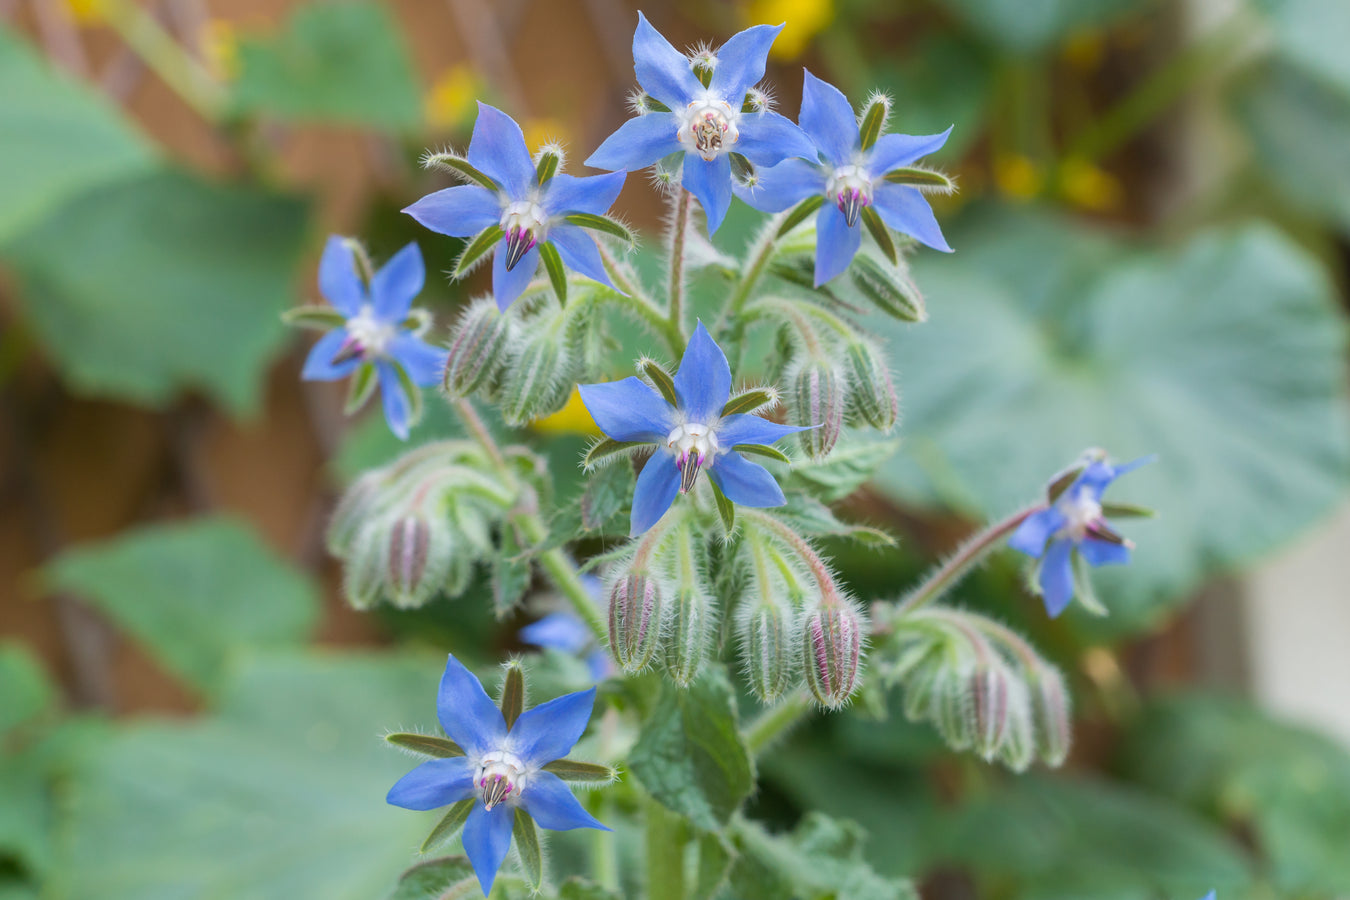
[(24, 686), (1034, 26), (820, 860), (342, 62), (690, 754), (849, 465), (163, 283), (1288, 786), (279, 796), (1299, 128), (431, 880), (1312, 34), (944, 81), (61, 138), (1226, 358), (195, 594)]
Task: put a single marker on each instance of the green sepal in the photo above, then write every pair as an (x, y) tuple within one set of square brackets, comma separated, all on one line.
[(547, 168), (360, 388), (527, 845), (315, 316), (742, 169), (1127, 511), (605, 448), (880, 233), (476, 249), (1082, 586), (425, 744), (800, 212), (763, 450), (916, 176), (458, 165), (653, 104), (601, 223), (557, 275), (574, 770), (513, 694), (450, 824), (661, 379), (703, 73), (873, 119), (414, 395), (749, 401), (725, 508), (1061, 483)]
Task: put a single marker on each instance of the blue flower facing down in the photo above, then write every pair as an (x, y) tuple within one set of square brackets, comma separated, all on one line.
[(690, 436), (528, 212), (502, 769), (379, 329), (850, 178), (1074, 525), (704, 123)]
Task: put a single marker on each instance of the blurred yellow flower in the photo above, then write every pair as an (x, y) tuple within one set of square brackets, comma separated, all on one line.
[(571, 419), (539, 132), (1085, 185), (805, 19), (1017, 176), (220, 44), (451, 99), (86, 12)]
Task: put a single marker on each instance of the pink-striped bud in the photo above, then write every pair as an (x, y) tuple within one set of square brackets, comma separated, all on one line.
[(417, 560), (989, 700), (818, 399), (832, 643), (634, 622), (475, 350)]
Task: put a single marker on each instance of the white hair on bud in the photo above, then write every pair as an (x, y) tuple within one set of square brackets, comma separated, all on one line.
[(555, 147), (887, 104)]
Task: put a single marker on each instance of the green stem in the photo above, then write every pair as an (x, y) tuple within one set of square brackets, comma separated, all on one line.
[(638, 302), (774, 722), (679, 232), (604, 861), (754, 270), (829, 591), (666, 839), (166, 58)]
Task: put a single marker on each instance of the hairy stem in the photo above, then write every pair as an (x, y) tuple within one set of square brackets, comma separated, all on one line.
[(679, 231), (829, 591), (666, 839), (760, 254), (638, 301)]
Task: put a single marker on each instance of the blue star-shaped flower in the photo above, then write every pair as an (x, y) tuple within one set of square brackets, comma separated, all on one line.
[(690, 436), (1074, 523), (704, 123), (529, 213), (378, 330), (502, 769), (850, 178)]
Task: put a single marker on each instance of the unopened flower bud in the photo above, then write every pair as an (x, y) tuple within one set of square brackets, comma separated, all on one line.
[(766, 647), (363, 575), (352, 513), (989, 689), (634, 621), (538, 380), (818, 398), (872, 396), (686, 637), (888, 287), (831, 639), (954, 711), (1050, 716), (475, 350), (1019, 743), (417, 560)]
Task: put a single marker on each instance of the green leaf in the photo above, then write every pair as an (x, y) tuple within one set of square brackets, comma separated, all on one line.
[(510, 573), (1285, 786), (1028, 27), (450, 824), (1226, 358), (527, 846), (1311, 33), (1299, 128), (425, 744), (432, 880), (603, 224), (27, 692), (557, 275), (277, 796), (822, 858), (714, 864), (195, 594), (812, 518), (332, 62), (847, 468), (476, 249), (191, 297), (690, 754), (609, 490), (61, 138)]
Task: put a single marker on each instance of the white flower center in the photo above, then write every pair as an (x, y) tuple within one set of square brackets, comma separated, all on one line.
[(368, 337), (1081, 511), (851, 189), (525, 223), (694, 447), (501, 776), (708, 128)]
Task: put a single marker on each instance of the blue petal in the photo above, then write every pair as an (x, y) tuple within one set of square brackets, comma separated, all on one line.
[(657, 485), (904, 208), (578, 250), (628, 410), (836, 243), (551, 803), (894, 150), (1035, 530), (507, 286), (741, 61), (599, 665), (433, 784), (497, 149), (558, 631), (1212, 895), (397, 404), (339, 280), (744, 482), (1057, 577), (1104, 553), (397, 282), (487, 838), (829, 119), (747, 429), (1099, 474), (424, 363), (319, 364), (593, 194), (550, 730), (710, 182), (703, 382), (663, 71), (638, 143), (461, 211), (783, 186), (766, 139), (467, 713)]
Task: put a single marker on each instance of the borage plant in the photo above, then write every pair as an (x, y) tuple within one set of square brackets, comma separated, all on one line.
[(717, 623)]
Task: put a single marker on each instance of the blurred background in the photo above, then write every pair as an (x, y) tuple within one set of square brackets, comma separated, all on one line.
[(1151, 236)]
